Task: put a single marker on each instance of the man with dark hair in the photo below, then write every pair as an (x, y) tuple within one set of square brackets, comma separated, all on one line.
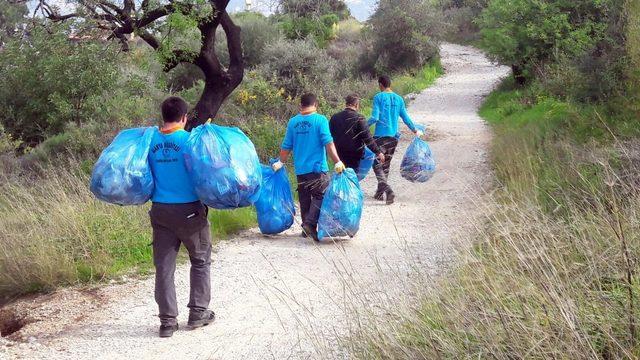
[(309, 138), (177, 217), (388, 107), (351, 134)]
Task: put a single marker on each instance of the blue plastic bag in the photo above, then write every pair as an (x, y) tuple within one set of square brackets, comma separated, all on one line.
[(366, 163), (122, 174), (418, 164), (341, 207), (224, 166), (275, 206)]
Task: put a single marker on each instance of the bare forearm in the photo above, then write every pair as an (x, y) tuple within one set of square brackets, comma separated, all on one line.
[(284, 155), (333, 153)]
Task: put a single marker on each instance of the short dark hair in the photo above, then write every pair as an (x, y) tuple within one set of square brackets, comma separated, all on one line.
[(173, 109), (352, 100), (385, 81), (308, 100)]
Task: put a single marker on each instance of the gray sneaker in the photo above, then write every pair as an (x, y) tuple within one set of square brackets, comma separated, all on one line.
[(200, 318)]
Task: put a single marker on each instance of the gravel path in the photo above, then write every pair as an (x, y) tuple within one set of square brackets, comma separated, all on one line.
[(286, 297)]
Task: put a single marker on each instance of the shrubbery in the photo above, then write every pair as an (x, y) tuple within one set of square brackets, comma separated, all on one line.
[(579, 41), (404, 34), (49, 83)]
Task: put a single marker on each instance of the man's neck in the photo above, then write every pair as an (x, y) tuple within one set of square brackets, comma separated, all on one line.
[(171, 127), (387, 90), (351, 108), (308, 110)]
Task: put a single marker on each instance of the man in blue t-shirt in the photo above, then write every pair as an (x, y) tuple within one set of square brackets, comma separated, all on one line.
[(388, 107), (177, 217), (309, 138)]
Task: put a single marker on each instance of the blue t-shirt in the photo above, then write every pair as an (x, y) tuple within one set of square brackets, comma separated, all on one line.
[(172, 182), (387, 108), (307, 136)]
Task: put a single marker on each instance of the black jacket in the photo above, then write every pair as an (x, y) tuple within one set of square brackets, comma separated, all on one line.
[(351, 134)]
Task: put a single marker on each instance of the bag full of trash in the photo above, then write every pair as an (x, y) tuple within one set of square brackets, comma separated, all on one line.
[(418, 164), (341, 207), (275, 207), (224, 166), (122, 174)]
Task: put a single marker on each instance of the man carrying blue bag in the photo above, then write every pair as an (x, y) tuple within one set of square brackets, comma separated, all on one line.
[(178, 217), (388, 107), (351, 134), (309, 138)]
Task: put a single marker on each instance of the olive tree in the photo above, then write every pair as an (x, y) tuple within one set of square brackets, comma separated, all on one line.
[(180, 31)]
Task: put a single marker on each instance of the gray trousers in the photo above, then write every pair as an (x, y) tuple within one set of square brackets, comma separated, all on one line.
[(311, 188), (175, 224), (387, 146)]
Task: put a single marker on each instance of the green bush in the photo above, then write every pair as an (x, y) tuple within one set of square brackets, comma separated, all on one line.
[(322, 29), (48, 81), (404, 34), (297, 66), (313, 8), (529, 36), (257, 32)]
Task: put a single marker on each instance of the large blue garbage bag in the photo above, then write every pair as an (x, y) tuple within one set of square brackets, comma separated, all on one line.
[(342, 206), (366, 163), (122, 174), (418, 164), (224, 166), (275, 206)]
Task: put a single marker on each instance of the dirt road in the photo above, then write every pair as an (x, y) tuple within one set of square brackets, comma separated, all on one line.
[(286, 297)]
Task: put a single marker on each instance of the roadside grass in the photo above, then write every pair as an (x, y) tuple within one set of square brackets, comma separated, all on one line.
[(53, 232), (553, 270)]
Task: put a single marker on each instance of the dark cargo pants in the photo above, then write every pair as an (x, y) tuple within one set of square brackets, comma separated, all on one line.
[(175, 224), (311, 188), (387, 146)]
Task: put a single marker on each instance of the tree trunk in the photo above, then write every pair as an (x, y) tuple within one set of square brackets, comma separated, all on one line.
[(518, 74), (208, 105)]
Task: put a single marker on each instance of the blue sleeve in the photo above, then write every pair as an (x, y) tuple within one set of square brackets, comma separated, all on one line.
[(405, 117), (375, 113), (325, 132), (287, 143)]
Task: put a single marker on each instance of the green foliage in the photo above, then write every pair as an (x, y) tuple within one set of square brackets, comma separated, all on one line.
[(297, 66), (404, 35), (48, 83), (531, 35), (416, 81), (257, 32), (12, 17), (322, 29), (313, 8)]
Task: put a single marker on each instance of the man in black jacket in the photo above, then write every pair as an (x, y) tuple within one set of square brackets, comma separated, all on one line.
[(351, 134)]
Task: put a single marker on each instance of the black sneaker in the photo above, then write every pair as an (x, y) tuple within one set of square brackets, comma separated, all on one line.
[(200, 318), (379, 195), (167, 330), (304, 234), (391, 197), (311, 232)]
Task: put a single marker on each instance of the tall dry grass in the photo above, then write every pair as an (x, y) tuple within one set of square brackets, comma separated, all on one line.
[(53, 232), (559, 284)]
